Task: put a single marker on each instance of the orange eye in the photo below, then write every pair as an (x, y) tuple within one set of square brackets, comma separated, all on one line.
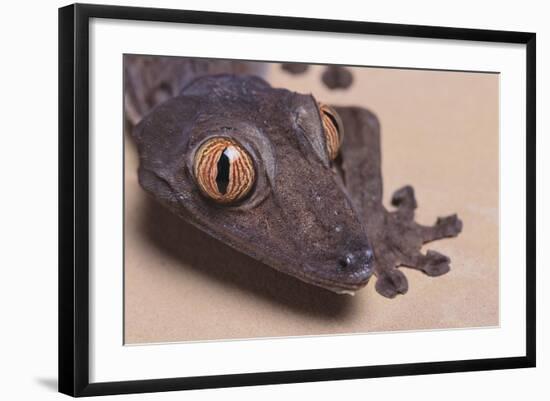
[(224, 170), (334, 130)]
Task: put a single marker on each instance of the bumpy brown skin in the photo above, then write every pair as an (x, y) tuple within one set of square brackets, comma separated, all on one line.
[(395, 236), (308, 217)]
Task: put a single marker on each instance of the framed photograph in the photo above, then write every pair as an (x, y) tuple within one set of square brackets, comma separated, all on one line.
[(251, 199)]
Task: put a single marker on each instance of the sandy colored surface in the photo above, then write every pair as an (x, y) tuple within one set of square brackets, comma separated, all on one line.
[(439, 133)]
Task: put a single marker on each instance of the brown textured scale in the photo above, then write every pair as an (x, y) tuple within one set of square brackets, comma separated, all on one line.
[(333, 129), (224, 170)]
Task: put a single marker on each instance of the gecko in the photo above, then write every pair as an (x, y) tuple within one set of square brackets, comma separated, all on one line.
[(292, 182)]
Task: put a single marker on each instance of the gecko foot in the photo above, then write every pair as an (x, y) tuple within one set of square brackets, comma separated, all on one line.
[(391, 282)]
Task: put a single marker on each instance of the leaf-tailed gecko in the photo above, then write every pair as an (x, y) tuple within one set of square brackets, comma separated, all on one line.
[(277, 175)]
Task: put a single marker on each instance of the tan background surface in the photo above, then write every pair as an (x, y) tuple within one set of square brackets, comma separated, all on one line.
[(439, 133)]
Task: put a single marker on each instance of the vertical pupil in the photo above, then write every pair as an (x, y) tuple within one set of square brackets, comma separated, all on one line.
[(222, 179)]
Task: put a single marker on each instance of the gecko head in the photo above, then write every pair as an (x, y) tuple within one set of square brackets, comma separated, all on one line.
[(253, 167)]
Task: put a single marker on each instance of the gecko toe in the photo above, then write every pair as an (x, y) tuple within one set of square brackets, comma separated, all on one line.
[(391, 282), (450, 226), (435, 264), (404, 198)]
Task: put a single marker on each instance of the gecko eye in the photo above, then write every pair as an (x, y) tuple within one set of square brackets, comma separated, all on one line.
[(224, 170), (333, 128)]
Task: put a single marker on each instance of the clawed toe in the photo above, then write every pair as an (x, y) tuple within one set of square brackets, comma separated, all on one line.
[(435, 264), (444, 227), (404, 197), (391, 282), (449, 226)]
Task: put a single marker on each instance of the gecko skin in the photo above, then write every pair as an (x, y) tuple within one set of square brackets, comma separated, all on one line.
[(319, 220)]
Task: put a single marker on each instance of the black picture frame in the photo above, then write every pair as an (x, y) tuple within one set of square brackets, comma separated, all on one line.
[(74, 198)]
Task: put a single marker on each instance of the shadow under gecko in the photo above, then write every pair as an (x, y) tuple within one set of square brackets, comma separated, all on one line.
[(286, 180)]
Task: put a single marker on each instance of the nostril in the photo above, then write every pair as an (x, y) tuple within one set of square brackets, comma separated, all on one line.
[(345, 261)]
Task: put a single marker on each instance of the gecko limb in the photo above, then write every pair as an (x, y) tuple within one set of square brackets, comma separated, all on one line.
[(394, 235)]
